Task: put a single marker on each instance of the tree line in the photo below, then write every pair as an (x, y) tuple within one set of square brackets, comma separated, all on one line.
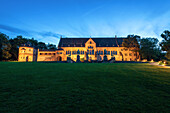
[(9, 47), (148, 48)]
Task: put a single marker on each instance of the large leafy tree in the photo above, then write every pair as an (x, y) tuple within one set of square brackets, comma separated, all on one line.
[(149, 49), (42, 45), (15, 44), (132, 43), (51, 46), (5, 46), (165, 44)]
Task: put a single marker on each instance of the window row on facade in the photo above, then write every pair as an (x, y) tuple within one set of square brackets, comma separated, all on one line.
[(91, 52), (90, 47), (130, 54), (74, 52), (47, 53)]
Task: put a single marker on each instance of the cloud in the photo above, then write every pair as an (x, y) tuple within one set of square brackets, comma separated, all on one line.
[(92, 10), (49, 34), (14, 30), (29, 33)]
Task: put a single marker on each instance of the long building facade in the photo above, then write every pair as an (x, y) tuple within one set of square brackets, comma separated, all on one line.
[(86, 48)]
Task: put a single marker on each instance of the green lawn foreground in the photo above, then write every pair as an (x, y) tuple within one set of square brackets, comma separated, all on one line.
[(61, 87)]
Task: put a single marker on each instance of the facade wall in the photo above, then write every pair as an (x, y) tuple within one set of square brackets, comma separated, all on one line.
[(72, 52), (25, 54), (90, 48), (127, 55), (46, 56)]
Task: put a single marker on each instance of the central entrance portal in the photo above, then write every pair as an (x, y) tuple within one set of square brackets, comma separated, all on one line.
[(59, 58)]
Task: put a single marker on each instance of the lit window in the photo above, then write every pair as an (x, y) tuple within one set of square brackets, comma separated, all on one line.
[(115, 52), (92, 52), (101, 52), (108, 52)]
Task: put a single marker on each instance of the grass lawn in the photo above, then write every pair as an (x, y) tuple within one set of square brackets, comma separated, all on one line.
[(59, 87)]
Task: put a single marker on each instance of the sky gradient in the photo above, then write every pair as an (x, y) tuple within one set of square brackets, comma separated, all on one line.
[(46, 20)]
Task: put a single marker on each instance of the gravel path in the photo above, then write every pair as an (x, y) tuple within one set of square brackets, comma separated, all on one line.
[(156, 64)]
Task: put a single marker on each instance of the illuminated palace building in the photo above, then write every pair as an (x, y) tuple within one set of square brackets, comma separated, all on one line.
[(86, 48)]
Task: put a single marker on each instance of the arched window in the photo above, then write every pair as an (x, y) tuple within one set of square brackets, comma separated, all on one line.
[(108, 52), (101, 52), (92, 52)]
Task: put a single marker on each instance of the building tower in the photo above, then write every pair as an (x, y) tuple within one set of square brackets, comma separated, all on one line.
[(27, 53)]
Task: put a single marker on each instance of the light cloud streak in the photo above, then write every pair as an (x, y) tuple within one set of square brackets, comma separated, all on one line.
[(48, 37)]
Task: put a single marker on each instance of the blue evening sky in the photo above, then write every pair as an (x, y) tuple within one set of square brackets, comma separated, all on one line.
[(46, 20)]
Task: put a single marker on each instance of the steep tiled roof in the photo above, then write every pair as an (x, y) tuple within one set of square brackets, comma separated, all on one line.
[(100, 42), (73, 42), (47, 50), (60, 49)]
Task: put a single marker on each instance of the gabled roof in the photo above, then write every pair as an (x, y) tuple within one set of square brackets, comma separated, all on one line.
[(47, 49), (100, 42), (72, 42)]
